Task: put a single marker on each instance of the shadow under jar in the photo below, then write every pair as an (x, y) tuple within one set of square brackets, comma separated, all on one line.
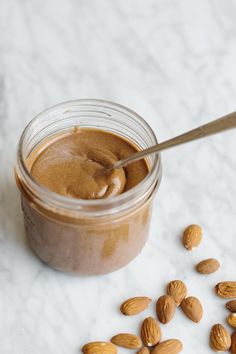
[(86, 236)]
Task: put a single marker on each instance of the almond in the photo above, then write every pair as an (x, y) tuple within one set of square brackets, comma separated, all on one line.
[(232, 320), (165, 308), (127, 340), (226, 289), (135, 305), (219, 338), (231, 305), (144, 350), (170, 346), (178, 290), (99, 348), (192, 308), (150, 332), (208, 266), (233, 343), (192, 237)]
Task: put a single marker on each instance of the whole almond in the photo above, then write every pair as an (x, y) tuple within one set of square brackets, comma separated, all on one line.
[(165, 308), (178, 290), (219, 338), (233, 343), (208, 266), (127, 340), (232, 320), (150, 332), (192, 308), (231, 305), (226, 289), (99, 348), (144, 350), (170, 346), (135, 305), (192, 237)]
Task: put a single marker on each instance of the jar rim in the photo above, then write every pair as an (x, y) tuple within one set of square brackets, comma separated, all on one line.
[(59, 201)]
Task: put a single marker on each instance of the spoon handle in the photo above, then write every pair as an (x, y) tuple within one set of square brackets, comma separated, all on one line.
[(216, 126)]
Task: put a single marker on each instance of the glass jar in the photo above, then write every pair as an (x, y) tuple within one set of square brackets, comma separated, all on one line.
[(86, 236)]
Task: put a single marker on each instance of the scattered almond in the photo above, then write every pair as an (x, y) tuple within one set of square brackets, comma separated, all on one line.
[(233, 343), (178, 290), (232, 320), (135, 305), (165, 308), (208, 266), (127, 340), (150, 332), (219, 338), (192, 308), (170, 346), (99, 348), (226, 289), (192, 237), (231, 305), (144, 350)]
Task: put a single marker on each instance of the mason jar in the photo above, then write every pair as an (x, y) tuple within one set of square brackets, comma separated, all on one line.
[(86, 236)]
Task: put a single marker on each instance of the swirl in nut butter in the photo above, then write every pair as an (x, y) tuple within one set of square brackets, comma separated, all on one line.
[(68, 164)]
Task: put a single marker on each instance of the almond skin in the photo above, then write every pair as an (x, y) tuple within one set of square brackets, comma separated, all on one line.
[(99, 348), (144, 350), (226, 289), (231, 305), (192, 237), (192, 308), (165, 308), (233, 343), (219, 338), (178, 290), (127, 340), (170, 346), (232, 320), (135, 305), (208, 266), (150, 332)]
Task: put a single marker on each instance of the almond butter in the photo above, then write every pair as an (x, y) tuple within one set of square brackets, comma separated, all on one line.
[(192, 237), (135, 305), (144, 350), (208, 266), (226, 289), (99, 348), (127, 340), (150, 332), (219, 338), (231, 305), (170, 346), (232, 320), (192, 308), (233, 343), (178, 290), (165, 308)]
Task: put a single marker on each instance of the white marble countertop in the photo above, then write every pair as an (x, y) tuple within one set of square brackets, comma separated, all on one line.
[(171, 61)]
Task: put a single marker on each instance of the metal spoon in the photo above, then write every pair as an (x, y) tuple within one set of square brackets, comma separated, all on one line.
[(216, 126)]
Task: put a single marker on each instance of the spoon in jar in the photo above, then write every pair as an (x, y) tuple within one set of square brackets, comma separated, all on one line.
[(216, 126)]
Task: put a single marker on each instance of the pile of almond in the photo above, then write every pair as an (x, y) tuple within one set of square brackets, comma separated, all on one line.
[(150, 332), (149, 340)]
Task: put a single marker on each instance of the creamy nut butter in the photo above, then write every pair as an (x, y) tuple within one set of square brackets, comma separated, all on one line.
[(69, 165)]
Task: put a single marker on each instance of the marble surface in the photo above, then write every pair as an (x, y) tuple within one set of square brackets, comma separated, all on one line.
[(174, 63)]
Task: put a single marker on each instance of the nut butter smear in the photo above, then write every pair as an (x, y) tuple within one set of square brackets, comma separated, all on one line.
[(68, 164)]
